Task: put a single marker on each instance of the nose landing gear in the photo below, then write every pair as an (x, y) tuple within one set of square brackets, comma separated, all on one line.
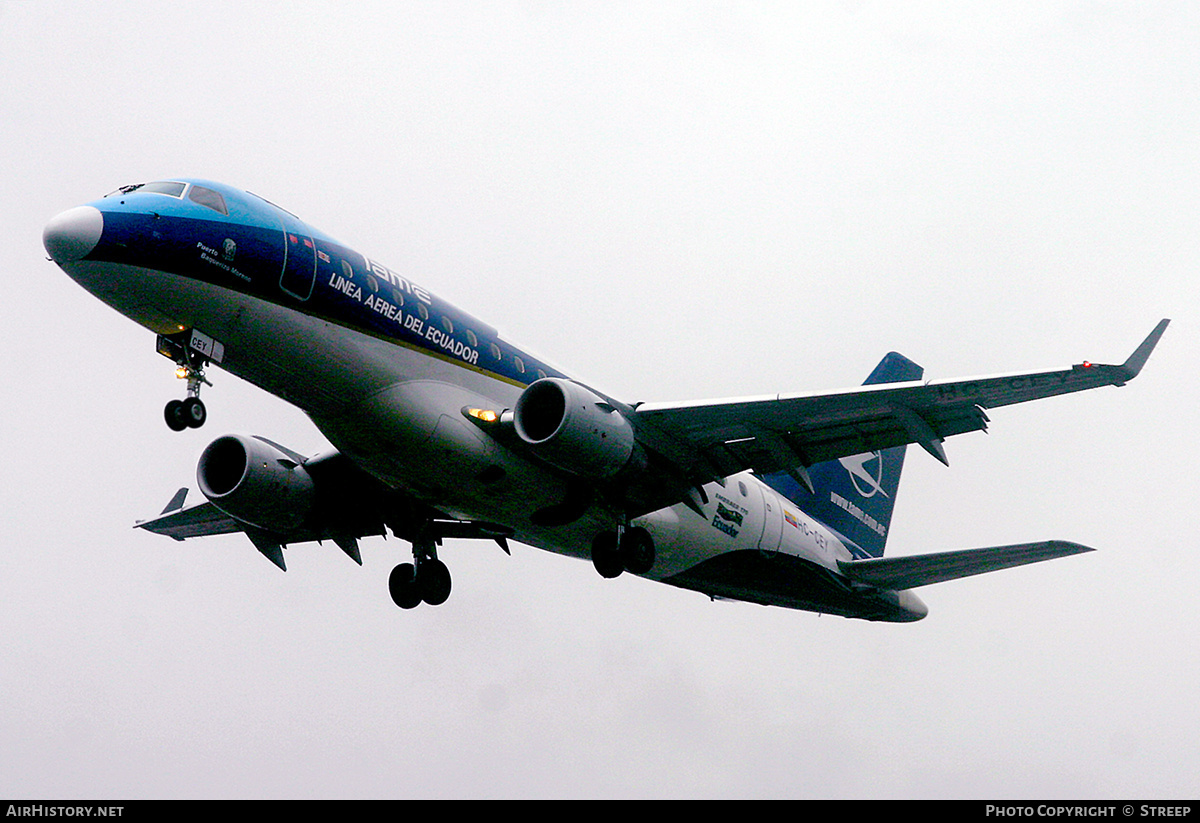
[(189, 412)]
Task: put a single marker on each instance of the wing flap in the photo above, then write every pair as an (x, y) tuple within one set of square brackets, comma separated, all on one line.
[(900, 573)]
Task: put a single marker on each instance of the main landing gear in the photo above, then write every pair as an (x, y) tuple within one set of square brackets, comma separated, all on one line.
[(426, 579), (631, 550), (190, 412)]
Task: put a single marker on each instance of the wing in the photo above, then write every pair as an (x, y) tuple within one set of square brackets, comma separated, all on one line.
[(205, 519), (713, 439), (349, 505), (196, 521)]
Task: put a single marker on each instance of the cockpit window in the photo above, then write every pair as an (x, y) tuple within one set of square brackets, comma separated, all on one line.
[(168, 187), (208, 197)]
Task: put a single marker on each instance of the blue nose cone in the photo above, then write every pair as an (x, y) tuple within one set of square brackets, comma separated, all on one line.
[(73, 234)]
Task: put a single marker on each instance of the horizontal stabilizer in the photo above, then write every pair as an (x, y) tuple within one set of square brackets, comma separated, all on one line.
[(900, 573)]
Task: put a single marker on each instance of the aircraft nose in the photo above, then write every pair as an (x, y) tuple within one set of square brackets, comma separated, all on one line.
[(73, 234)]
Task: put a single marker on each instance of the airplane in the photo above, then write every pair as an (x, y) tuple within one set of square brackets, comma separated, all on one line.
[(444, 429)]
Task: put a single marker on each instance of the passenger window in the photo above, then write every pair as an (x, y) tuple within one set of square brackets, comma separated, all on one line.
[(398, 297), (421, 310), (471, 338), (209, 198), (347, 270), (447, 324), (495, 350), (519, 363), (742, 488)]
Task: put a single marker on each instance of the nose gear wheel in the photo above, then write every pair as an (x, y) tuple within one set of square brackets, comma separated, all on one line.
[(184, 414)]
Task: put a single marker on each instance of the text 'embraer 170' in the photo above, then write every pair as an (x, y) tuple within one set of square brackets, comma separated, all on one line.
[(444, 429)]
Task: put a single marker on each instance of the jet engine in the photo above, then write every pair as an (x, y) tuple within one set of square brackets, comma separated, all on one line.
[(573, 428), (255, 482)]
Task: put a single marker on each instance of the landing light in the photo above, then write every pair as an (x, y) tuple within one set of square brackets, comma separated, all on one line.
[(483, 415), (182, 372)]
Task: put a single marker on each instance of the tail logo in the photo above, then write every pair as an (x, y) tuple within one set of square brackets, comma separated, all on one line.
[(866, 473)]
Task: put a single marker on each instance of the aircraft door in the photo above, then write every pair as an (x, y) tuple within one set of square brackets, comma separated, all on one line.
[(772, 533), (299, 265)]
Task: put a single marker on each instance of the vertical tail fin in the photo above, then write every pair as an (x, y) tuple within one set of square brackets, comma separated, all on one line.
[(855, 495)]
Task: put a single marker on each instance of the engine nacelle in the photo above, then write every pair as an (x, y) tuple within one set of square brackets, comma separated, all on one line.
[(573, 428), (256, 483)]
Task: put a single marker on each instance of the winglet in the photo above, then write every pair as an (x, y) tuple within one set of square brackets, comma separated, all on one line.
[(1134, 364), (177, 501)]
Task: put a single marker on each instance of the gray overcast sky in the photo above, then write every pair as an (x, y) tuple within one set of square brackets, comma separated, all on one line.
[(674, 202)]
